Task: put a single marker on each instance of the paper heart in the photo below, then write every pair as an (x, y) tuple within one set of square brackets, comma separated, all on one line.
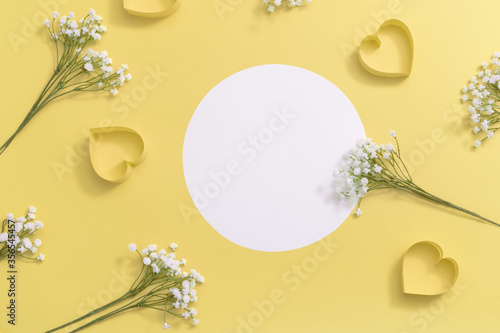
[(114, 151), (376, 68), (426, 272), (151, 8)]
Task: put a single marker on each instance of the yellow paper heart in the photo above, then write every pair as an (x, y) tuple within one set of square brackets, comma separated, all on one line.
[(375, 65), (426, 272), (114, 151), (151, 8)]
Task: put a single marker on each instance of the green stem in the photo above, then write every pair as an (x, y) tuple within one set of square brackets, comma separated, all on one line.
[(104, 307), (110, 314), (419, 191)]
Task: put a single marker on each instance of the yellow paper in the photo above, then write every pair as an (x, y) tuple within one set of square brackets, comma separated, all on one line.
[(350, 283)]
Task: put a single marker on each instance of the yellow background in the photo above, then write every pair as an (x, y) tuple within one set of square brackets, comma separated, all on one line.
[(357, 288)]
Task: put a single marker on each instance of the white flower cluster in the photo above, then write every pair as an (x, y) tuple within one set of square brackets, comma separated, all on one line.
[(74, 37), (482, 95), (370, 167), (273, 4), (90, 27), (163, 263), (23, 228)]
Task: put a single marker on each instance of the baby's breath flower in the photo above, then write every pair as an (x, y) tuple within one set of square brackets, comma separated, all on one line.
[(76, 71), (370, 167), (273, 4), (16, 233), (160, 285), (483, 97)]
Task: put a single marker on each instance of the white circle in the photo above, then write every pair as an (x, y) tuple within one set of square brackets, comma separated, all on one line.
[(259, 155)]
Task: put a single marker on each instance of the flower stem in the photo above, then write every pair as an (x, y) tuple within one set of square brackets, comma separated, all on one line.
[(419, 191), (104, 307), (112, 313)]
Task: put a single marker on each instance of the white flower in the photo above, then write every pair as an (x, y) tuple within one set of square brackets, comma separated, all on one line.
[(3, 237), (152, 247), (22, 249), (358, 212), (145, 251), (32, 209), (88, 66), (38, 224), (21, 219), (173, 246), (377, 168), (147, 261), (30, 226), (27, 243), (10, 217), (37, 242), (114, 91), (477, 143), (55, 14), (386, 156), (186, 315), (166, 326), (18, 227), (155, 268), (389, 147), (196, 321), (393, 134), (46, 23), (41, 257), (132, 247)]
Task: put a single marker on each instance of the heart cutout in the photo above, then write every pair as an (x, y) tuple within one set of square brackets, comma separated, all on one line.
[(151, 8), (114, 151), (426, 272), (392, 60)]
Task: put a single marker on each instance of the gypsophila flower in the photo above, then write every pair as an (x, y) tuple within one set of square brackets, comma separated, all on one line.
[(173, 246), (161, 285), (370, 167), (483, 96), (132, 247), (76, 70), (273, 4), (16, 233)]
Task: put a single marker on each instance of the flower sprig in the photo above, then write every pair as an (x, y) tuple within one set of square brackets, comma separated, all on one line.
[(16, 233), (482, 95), (273, 4), (161, 285), (370, 167), (76, 70)]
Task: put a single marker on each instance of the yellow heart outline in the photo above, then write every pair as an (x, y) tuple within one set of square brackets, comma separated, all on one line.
[(93, 142), (138, 8), (421, 290), (374, 38)]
